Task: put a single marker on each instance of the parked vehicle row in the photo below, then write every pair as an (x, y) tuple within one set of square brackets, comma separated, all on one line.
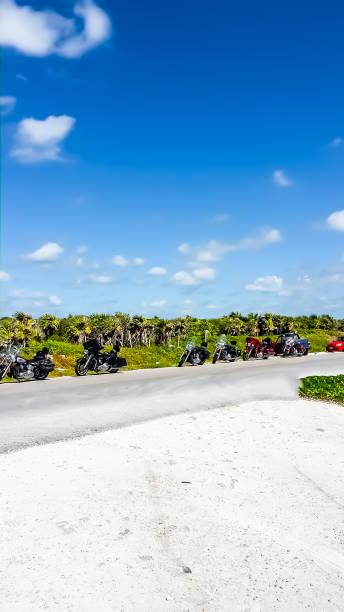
[(99, 361), (287, 345)]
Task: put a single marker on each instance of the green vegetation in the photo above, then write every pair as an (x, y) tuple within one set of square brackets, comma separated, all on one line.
[(329, 388), (152, 343)]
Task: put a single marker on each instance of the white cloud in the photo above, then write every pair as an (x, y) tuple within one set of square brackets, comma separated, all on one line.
[(204, 274), (100, 278), (336, 142), (196, 277), (215, 251), (4, 276), (138, 261), (157, 271), (281, 179), (54, 299), (21, 77), (184, 248), (184, 278), (211, 306), (40, 140), (336, 220), (79, 261), (42, 33), (81, 250), (48, 252), (158, 304), (267, 283), (7, 104), (119, 261)]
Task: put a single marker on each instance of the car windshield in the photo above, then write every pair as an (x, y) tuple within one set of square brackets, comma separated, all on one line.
[(340, 338)]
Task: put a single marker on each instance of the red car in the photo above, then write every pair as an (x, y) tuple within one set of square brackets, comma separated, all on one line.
[(336, 345)]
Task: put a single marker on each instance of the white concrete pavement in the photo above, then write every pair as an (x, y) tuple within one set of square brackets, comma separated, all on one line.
[(58, 409)]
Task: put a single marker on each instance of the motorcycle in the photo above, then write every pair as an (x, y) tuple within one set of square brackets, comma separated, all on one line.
[(196, 355), (95, 361), (291, 345), (258, 349), (224, 351), (14, 366)]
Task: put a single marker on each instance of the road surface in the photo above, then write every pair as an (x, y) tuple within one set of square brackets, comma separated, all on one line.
[(38, 412)]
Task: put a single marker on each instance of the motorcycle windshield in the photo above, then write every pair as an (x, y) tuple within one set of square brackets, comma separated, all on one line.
[(221, 340), (190, 343)]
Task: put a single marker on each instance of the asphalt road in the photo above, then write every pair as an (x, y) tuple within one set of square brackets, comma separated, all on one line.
[(39, 412)]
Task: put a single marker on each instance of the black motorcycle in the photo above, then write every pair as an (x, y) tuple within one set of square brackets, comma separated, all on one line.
[(224, 351), (196, 355), (95, 361), (14, 366)]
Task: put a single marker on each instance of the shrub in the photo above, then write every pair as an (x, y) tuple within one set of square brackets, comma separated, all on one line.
[(323, 387)]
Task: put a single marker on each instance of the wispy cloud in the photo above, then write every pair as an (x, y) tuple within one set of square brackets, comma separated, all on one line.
[(40, 140), (100, 278), (41, 33), (7, 104), (54, 299), (157, 271), (119, 261), (220, 218), (281, 179), (158, 303), (4, 276), (138, 261), (214, 250), (336, 142), (48, 252)]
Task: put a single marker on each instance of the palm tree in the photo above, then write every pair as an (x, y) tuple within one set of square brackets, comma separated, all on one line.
[(252, 324), (48, 325)]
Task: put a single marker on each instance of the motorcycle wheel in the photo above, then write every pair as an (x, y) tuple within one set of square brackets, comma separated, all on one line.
[(80, 369), (182, 360), (265, 356), (113, 370), (245, 356), (41, 374), (214, 358)]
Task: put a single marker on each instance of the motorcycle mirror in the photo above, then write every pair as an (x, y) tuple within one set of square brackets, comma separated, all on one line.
[(233, 342)]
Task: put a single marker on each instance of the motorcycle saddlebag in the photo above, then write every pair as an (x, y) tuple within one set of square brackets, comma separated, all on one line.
[(304, 342), (47, 365), (121, 362)]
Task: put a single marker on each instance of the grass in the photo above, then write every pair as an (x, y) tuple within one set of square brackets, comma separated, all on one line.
[(65, 354), (330, 388)]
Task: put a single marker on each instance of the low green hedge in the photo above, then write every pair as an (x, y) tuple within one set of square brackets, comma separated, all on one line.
[(323, 387)]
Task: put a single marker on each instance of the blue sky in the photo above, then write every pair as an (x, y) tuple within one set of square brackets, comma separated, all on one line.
[(172, 158)]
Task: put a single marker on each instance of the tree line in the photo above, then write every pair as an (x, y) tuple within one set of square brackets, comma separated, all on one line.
[(140, 331)]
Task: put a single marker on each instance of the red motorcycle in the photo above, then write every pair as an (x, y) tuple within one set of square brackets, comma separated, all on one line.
[(258, 349)]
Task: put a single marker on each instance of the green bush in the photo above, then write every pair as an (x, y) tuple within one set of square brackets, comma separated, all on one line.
[(323, 387)]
